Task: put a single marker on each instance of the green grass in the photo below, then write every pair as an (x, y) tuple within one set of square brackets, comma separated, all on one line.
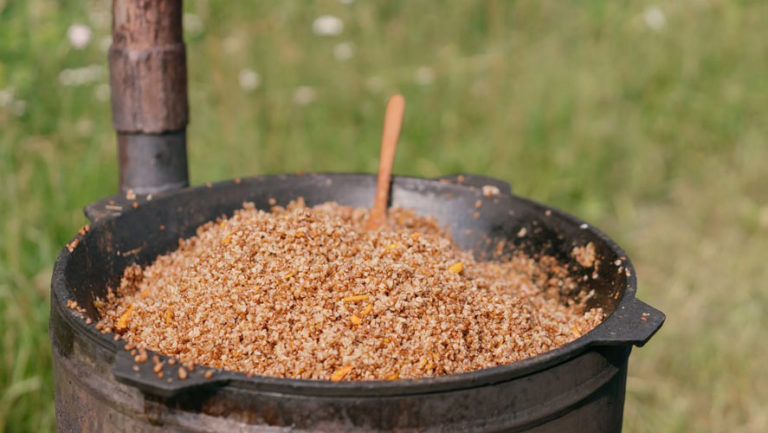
[(658, 137)]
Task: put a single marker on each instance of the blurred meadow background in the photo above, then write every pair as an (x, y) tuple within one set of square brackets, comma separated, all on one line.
[(648, 119)]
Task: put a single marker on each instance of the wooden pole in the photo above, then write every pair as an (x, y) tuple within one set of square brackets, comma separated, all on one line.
[(148, 77)]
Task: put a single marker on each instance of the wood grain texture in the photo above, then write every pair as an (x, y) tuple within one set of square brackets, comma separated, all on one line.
[(393, 120), (147, 62)]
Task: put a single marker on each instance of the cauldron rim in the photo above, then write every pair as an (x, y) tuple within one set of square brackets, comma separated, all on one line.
[(631, 323)]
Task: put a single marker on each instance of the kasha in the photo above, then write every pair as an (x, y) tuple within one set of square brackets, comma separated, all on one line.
[(309, 293)]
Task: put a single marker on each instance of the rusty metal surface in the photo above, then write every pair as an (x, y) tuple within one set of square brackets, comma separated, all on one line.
[(147, 62)]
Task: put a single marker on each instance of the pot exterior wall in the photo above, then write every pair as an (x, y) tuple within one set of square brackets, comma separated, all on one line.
[(583, 394)]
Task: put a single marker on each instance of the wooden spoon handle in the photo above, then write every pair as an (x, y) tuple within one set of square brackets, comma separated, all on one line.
[(393, 120)]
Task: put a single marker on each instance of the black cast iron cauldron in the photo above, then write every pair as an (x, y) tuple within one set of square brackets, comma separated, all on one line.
[(579, 387)]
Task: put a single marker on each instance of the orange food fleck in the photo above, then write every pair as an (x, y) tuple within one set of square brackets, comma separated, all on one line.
[(368, 308), (391, 247), (415, 236), (169, 317), (122, 322), (356, 298), (393, 376), (340, 373), (457, 267), (355, 319)]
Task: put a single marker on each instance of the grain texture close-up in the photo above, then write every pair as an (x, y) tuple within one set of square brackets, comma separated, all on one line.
[(307, 293)]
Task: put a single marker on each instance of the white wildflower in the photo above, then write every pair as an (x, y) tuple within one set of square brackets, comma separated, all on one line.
[(81, 76), (655, 18), (303, 95), (327, 25), (248, 79), (8, 99), (425, 75), (79, 35), (192, 23), (344, 51)]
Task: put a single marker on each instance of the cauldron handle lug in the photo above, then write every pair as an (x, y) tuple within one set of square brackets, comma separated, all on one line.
[(633, 322), (141, 375), (116, 205), (106, 208), (476, 181)]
